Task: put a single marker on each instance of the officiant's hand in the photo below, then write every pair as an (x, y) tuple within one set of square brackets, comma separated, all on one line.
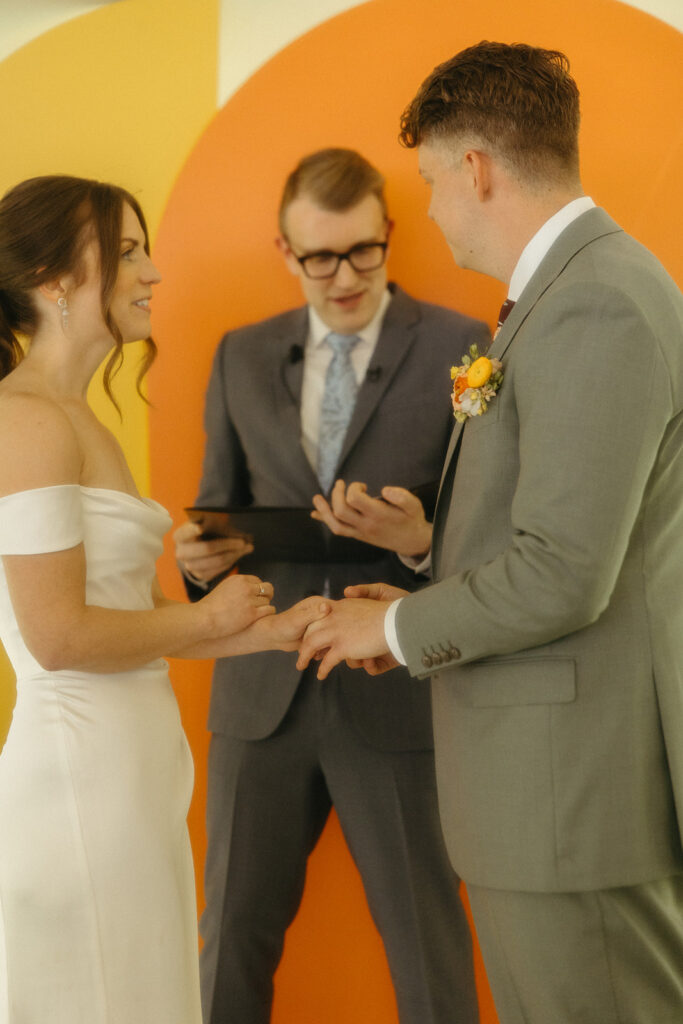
[(203, 560), (395, 521), (352, 632)]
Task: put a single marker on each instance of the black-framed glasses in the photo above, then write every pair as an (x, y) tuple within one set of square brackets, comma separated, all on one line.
[(363, 257)]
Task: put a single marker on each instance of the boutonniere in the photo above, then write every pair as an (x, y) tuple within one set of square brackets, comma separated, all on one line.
[(474, 384)]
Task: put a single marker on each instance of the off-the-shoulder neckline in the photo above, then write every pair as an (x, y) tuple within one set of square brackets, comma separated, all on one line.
[(138, 499), (125, 494)]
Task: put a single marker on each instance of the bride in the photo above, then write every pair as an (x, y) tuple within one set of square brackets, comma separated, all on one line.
[(97, 911)]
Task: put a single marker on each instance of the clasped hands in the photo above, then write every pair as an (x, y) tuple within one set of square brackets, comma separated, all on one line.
[(352, 629)]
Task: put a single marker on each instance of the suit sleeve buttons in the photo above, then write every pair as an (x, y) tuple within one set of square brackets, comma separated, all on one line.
[(434, 658)]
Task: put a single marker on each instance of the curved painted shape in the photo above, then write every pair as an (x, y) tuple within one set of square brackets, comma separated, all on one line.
[(19, 26), (345, 83)]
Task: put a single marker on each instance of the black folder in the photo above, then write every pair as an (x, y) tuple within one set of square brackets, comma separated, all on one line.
[(282, 534), (289, 534)]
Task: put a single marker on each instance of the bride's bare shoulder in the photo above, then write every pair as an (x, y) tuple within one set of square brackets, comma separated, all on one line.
[(26, 409), (40, 446)]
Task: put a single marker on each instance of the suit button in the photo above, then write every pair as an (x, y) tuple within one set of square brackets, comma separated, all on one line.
[(427, 661), (437, 658), (454, 652)]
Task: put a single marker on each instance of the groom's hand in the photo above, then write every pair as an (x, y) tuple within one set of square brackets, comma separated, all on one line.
[(352, 632), (376, 591)]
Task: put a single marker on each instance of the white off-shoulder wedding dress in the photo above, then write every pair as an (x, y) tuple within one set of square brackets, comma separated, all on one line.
[(97, 904)]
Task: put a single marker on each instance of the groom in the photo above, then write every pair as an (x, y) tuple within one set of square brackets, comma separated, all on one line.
[(553, 631)]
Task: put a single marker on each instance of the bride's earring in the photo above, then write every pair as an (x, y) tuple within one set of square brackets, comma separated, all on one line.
[(64, 309)]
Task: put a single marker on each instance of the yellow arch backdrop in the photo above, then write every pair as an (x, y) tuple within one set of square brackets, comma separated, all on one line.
[(345, 83), (101, 97)]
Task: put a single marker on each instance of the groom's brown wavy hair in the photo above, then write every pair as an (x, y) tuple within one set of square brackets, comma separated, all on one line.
[(517, 99)]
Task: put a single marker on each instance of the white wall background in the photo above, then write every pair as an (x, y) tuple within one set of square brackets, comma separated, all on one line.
[(23, 20), (251, 31)]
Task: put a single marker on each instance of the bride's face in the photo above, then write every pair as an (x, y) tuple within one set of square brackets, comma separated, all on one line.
[(129, 305), (137, 275)]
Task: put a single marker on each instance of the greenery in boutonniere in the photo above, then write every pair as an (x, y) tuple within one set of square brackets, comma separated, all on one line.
[(475, 383)]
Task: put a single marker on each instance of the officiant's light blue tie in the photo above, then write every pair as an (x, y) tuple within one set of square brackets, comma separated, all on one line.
[(337, 405)]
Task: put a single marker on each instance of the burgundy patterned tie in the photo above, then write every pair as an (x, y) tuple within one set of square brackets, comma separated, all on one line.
[(504, 313)]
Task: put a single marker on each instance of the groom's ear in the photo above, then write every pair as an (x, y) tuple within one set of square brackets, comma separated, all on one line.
[(478, 167)]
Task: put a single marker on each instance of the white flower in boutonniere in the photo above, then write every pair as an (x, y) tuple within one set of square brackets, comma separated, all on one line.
[(474, 384)]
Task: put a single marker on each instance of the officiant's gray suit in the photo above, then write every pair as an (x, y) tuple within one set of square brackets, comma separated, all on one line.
[(370, 746), (558, 550)]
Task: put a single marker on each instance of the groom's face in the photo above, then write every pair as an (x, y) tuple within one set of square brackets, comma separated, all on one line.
[(348, 300), (453, 204)]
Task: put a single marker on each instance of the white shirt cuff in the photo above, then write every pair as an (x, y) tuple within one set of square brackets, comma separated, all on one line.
[(202, 584), (390, 634), (422, 565)]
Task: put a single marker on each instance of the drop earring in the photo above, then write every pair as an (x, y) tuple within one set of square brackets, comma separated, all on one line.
[(64, 309)]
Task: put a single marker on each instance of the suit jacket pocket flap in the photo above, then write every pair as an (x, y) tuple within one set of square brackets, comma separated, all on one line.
[(516, 683)]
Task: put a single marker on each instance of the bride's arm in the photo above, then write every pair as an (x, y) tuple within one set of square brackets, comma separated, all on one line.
[(63, 632), (48, 590)]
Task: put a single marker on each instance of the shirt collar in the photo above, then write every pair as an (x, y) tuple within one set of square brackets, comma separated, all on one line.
[(318, 329), (539, 245)]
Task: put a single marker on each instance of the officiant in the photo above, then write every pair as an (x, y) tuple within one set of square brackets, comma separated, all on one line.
[(351, 385)]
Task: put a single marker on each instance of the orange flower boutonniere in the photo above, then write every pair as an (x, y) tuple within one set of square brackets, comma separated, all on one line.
[(474, 384)]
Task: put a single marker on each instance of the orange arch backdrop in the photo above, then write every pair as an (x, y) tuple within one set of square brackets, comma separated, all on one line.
[(345, 83)]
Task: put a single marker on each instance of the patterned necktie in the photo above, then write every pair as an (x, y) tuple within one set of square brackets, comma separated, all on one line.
[(337, 405), (505, 311)]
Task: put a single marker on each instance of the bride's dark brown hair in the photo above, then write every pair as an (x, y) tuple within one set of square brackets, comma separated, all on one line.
[(45, 225)]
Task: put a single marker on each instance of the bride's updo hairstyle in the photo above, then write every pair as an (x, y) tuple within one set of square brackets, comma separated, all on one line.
[(45, 225)]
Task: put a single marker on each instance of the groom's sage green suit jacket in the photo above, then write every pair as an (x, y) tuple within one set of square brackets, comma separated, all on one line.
[(558, 561)]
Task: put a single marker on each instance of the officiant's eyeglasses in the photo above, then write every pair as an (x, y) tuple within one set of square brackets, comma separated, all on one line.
[(363, 258)]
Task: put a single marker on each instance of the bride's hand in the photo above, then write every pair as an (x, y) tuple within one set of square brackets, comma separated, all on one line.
[(287, 629), (281, 632), (236, 603)]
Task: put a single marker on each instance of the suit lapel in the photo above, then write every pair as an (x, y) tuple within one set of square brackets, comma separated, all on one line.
[(452, 446), (585, 229), (290, 375), (292, 342), (395, 340), (443, 499)]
